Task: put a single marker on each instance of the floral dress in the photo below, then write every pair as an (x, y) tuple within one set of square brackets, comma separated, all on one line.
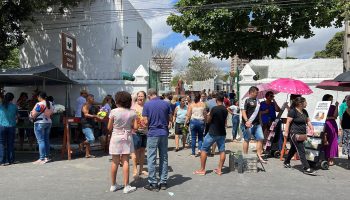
[(121, 140)]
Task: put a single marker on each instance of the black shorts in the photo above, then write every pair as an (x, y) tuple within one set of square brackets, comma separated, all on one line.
[(178, 129)]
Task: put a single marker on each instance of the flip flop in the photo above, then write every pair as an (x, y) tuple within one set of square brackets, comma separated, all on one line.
[(90, 156), (216, 171), (198, 172)]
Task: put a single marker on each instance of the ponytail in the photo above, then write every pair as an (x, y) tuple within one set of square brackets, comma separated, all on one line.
[(44, 96)]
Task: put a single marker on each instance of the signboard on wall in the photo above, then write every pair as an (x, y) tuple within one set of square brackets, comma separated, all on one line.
[(69, 52)]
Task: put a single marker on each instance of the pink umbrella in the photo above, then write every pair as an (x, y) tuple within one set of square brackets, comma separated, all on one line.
[(263, 89), (290, 86), (334, 85)]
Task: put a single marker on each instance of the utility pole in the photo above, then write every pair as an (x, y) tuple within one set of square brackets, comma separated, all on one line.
[(346, 51)]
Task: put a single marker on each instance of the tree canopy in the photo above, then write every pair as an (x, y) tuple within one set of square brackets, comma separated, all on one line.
[(252, 29), (200, 68), (12, 60), (334, 47), (12, 15)]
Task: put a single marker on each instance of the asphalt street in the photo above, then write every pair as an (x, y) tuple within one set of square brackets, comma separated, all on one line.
[(82, 178)]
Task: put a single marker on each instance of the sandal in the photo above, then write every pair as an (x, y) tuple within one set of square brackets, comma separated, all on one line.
[(261, 159), (216, 171), (198, 172), (90, 156), (38, 162)]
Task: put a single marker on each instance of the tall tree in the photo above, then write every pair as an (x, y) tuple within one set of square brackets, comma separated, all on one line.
[(334, 47), (12, 15), (200, 68), (175, 80), (253, 28), (12, 60)]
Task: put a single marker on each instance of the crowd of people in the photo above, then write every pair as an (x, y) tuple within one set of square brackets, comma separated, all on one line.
[(41, 110), (142, 122)]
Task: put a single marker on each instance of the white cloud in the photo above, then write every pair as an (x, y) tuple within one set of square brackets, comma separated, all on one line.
[(156, 18), (305, 48), (183, 53)]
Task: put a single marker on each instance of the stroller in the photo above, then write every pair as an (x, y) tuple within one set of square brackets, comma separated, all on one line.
[(314, 151), (274, 141), (273, 144)]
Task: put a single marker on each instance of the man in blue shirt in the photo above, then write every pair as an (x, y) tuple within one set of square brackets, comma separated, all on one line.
[(157, 114), (268, 109)]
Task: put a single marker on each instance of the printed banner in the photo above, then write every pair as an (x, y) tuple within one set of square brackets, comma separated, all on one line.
[(319, 117)]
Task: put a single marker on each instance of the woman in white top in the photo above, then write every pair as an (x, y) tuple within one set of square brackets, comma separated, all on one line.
[(234, 111), (41, 116), (196, 116), (179, 121)]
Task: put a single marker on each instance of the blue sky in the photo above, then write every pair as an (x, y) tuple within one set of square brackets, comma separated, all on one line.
[(164, 36)]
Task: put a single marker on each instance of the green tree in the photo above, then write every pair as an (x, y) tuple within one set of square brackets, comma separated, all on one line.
[(200, 68), (14, 12), (251, 29), (334, 47), (12, 60), (225, 77), (175, 80)]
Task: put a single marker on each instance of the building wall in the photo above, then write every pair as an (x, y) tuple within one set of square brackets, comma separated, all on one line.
[(132, 55), (100, 31)]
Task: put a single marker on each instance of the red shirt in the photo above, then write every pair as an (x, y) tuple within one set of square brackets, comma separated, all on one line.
[(227, 102)]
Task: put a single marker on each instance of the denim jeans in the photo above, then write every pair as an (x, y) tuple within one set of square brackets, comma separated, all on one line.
[(235, 125), (7, 139), (153, 144), (42, 134), (197, 129), (89, 135)]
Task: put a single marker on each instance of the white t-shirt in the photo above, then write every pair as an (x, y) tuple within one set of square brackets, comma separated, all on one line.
[(234, 109), (40, 107), (79, 106)]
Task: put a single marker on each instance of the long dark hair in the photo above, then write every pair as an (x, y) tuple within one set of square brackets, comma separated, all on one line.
[(326, 97), (22, 95), (197, 97), (7, 99), (297, 101), (44, 96)]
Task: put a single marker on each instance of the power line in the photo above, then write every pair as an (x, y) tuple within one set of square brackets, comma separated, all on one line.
[(136, 16)]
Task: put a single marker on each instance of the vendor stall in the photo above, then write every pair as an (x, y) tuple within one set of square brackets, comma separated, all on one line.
[(43, 75)]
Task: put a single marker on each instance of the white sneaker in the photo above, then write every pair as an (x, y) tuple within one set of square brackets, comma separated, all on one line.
[(116, 187), (129, 189)]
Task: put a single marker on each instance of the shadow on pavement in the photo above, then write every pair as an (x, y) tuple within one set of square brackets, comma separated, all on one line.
[(176, 179), (342, 162)]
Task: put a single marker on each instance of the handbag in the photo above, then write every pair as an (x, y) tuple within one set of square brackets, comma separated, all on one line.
[(34, 119), (300, 137)]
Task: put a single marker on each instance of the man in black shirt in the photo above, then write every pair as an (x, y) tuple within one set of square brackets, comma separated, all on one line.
[(217, 134), (250, 122)]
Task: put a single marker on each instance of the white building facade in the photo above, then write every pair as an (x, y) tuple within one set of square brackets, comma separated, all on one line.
[(111, 36), (310, 71)]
